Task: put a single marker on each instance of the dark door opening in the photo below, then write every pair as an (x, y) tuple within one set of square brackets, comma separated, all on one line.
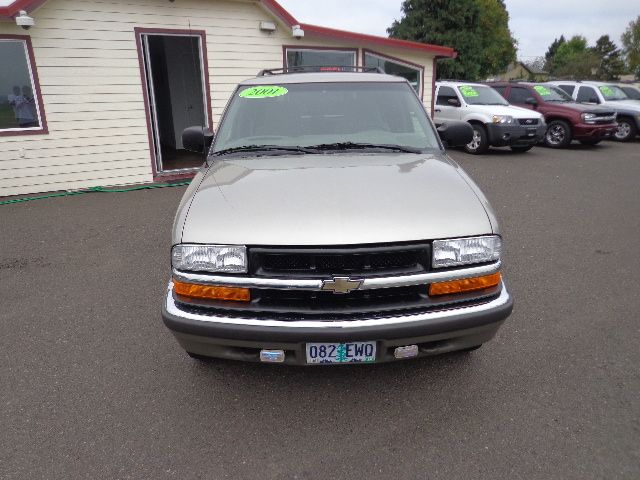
[(177, 98)]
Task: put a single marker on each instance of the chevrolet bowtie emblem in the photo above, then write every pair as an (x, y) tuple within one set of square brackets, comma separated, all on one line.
[(341, 285)]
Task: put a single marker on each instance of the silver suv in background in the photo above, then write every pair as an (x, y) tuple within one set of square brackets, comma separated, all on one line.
[(612, 96), (328, 226), (494, 121)]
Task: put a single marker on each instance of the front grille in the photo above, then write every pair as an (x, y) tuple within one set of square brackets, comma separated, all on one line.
[(380, 260), (528, 121), (326, 262), (604, 117)]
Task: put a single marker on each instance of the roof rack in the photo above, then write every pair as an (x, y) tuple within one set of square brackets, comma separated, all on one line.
[(316, 69)]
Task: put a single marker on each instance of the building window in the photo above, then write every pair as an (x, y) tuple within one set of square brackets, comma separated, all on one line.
[(20, 106), (323, 59), (413, 73)]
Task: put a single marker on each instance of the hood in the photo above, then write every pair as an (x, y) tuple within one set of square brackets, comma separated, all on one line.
[(633, 105), (332, 199), (579, 107), (516, 112)]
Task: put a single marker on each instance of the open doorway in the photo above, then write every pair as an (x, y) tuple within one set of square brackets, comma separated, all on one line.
[(176, 87)]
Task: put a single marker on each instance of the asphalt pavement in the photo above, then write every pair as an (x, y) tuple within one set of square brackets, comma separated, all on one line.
[(93, 386)]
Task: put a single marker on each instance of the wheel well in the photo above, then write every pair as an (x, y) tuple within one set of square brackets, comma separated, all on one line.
[(552, 119)]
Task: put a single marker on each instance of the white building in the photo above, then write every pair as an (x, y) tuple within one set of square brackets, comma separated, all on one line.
[(97, 92)]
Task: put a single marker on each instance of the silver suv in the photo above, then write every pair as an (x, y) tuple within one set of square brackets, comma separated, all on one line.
[(328, 226)]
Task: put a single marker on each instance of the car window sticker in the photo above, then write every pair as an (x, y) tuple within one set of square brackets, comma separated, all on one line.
[(468, 91), (542, 90), (264, 91), (607, 91)]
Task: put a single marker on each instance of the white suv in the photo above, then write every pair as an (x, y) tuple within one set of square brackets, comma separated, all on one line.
[(495, 122), (612, 96)]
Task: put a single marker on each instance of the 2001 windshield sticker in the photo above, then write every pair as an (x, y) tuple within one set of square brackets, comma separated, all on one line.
[(468, 91), (264, 91)]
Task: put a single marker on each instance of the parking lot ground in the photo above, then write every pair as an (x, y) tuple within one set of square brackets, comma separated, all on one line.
[(93, 386)]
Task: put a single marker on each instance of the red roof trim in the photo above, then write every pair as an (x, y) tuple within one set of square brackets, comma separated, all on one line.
[(278, 10), (316, 31), (13, 9)]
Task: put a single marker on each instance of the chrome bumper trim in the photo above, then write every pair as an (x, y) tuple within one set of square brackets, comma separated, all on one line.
[(173, 310), (316, 284)]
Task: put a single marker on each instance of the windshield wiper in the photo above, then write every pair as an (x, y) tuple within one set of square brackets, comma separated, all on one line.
[(263, 148), (363, 146)]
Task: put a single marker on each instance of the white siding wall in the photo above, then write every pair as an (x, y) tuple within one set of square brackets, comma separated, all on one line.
[(87, 62)]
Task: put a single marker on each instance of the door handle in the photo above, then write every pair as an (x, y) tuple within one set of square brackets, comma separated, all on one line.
[(437, 110)]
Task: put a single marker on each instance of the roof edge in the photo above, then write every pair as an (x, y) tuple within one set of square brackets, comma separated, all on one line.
[(317, 31), (280, 12), (12, 10)]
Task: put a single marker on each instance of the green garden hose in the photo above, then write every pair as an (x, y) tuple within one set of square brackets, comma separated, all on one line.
[(93, 190)]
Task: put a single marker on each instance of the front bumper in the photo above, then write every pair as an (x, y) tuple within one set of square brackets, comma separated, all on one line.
[(582, 131), (449, 329), (515, 135)]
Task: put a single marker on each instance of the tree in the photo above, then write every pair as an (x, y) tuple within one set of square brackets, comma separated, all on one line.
[(497, 43), (609, 57), (574, 59), (551, 51), (631, 46), (477, 29)]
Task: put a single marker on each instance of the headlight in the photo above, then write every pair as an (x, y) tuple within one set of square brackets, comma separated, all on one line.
[(463, 251), (588, 117), (210, 258), (502, 119)]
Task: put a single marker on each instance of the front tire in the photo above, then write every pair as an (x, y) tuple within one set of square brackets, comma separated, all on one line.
[(626, 131), (480, 142), (521, 149), (558, 134)]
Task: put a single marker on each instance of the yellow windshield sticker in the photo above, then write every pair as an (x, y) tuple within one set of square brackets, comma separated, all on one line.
[(263, 91), (542, 91), (468, 91)]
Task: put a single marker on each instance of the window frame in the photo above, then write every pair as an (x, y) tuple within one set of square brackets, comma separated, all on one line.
[(399, 61), (516, 89), (43, 129), (312, 48), (455, 94), (594, 90)]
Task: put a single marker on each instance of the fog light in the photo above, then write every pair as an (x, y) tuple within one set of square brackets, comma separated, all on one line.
[(272, 356), (409, 351)]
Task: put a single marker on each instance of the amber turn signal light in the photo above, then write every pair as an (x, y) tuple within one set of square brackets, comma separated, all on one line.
[(464, 285), (210, 292)]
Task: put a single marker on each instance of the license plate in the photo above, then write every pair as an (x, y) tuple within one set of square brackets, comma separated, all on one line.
[(531, 132), (353, 352)]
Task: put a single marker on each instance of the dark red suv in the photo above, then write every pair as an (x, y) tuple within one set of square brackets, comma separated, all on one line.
[(566, 120)]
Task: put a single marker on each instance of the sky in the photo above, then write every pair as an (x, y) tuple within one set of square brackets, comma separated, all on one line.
[(533, 24)]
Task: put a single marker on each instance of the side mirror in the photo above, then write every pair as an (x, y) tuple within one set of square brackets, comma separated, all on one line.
[(455, 133), (197, 139), (531, 101), (454, 102)]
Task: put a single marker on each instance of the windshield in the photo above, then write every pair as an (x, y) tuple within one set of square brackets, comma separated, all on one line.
[(611, 92), (632, 92), (550, 93), (481, 95), (320, 114)]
